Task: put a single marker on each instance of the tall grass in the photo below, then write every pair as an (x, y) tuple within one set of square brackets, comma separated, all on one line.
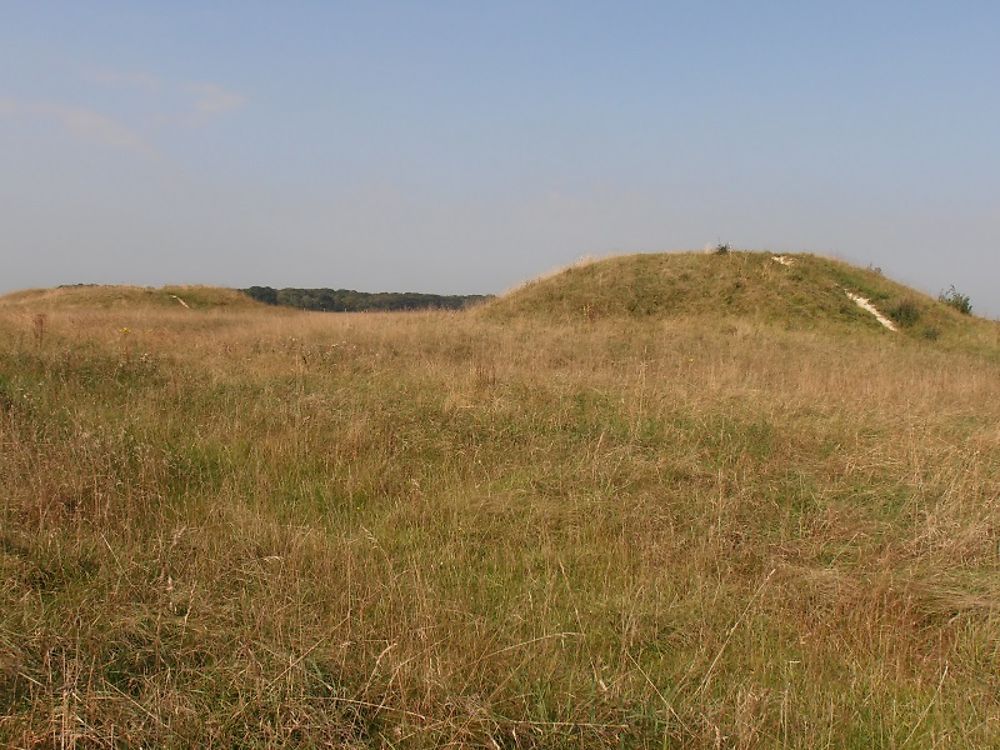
[(258, 528)]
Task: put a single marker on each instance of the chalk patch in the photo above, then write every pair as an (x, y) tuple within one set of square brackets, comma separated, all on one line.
[(866, 304), (181, 301), (782, 260)]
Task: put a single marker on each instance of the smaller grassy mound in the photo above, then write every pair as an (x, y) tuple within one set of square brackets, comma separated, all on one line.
[(806, 291), (119, 297)]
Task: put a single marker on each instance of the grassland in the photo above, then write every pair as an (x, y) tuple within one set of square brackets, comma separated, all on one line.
[(243, 526), (809, 293), (103, 297)]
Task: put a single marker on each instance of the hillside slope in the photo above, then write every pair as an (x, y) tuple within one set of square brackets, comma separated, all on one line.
[(117, 297), (798, 291)]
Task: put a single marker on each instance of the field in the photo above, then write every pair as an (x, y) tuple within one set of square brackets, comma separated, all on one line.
[(241, 526)]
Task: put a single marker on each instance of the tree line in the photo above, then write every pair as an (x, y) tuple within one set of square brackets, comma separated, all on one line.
[(349, 300)]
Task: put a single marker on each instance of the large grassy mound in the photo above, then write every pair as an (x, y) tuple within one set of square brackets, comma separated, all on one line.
[(102, 296), (804, 292)]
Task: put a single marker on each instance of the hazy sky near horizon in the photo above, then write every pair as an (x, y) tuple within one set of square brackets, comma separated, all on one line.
[(466, 146)]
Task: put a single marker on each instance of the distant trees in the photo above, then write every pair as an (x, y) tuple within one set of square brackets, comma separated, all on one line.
[(264, 294), (349, 300)]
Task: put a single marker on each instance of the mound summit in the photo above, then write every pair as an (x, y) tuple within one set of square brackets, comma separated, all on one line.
[(797, 290)]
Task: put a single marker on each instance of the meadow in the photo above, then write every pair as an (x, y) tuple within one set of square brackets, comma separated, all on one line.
[(243, 526)]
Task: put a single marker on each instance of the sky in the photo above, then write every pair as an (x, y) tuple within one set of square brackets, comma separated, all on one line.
[(463, 147)]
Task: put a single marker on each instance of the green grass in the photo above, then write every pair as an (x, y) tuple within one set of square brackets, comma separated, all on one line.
[(809, 294), (251, 527)]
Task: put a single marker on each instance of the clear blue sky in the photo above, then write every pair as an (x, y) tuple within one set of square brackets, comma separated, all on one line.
[(465, 146)]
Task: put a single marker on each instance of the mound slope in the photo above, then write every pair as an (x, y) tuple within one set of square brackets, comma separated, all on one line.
[(117, 297), (798, 290)]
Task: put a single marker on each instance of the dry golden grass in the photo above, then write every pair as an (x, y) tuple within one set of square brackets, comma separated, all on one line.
[(124, 298), (267, 528)]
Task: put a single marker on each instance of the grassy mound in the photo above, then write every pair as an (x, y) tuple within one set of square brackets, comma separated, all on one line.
[(805, 292), (116, 297)]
